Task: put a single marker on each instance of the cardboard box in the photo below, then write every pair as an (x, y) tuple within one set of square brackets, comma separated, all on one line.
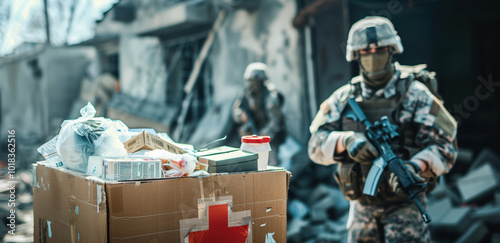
[(148, 141), (228, 159), (72, 207)]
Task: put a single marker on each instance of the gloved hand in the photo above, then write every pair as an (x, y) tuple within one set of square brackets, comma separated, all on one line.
[(414, 172), (359, 148)]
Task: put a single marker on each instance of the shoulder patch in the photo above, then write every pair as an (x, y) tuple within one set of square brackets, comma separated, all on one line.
[(435, 108), (444, 120)]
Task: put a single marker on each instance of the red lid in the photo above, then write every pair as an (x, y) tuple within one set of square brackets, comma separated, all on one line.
[(255, 139)]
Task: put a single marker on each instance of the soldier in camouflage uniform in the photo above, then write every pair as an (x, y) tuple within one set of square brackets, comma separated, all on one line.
[(427, 142), (258, 108)]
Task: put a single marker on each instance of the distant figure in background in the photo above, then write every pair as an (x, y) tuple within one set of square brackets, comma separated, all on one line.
[(258, 109)]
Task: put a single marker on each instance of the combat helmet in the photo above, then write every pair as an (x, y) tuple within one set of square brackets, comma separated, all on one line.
[(372, 30), (256, 71)]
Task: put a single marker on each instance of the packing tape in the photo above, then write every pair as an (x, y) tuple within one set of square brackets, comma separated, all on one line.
[(71, 184), (73, 212), (200, 179), (270, 238), (49, 228)]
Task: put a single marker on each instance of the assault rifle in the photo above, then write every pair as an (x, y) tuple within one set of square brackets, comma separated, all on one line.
[(380, 134)]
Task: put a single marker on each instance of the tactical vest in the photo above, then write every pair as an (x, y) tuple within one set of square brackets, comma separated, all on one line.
[(260, 112), (350, 175)]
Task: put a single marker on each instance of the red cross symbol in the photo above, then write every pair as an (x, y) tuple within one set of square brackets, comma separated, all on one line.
[(218, 230)]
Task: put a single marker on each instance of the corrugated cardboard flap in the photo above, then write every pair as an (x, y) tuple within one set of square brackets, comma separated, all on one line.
[(68, 206)]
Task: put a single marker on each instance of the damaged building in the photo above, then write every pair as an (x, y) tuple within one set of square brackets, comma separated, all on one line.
[(181, 63)]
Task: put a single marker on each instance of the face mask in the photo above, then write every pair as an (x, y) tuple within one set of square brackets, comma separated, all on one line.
[(376, 67), (255, 85)]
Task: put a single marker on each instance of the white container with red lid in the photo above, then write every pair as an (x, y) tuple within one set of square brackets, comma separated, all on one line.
[(259, 145)]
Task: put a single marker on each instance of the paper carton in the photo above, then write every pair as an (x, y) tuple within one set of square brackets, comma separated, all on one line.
[(131, 169), (228, 159), (148, 141)]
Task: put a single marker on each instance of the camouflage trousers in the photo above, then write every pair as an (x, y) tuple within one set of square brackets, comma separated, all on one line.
[(393, 223)]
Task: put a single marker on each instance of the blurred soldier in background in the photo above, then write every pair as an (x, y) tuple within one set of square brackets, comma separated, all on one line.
[(258, 109), (427, 142)]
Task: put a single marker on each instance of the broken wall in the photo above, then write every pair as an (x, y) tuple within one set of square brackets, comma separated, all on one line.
[(142, 70), (38, 92)]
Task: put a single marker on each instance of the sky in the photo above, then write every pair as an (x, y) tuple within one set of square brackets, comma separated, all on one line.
[(23, 21)]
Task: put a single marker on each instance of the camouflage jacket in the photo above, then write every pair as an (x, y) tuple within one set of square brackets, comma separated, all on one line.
[(435, 135)]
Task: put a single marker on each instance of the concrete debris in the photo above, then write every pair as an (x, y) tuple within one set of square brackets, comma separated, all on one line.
[(332, 226), (294, 228), (318, 215), (479, 183), (485, 156), (497, 197), (321, 191), (474, 234), (311, 231), (325, 203), (455, 220), (325, 237), (489, 214), (297, 209), (23, 208), (438, 209)]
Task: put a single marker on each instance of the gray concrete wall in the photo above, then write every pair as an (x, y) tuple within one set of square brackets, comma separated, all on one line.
[(36, 106), (332, 69), (264, 35), (142, 70)]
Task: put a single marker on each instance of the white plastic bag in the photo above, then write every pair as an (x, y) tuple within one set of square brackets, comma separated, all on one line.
[(109, 144), (49, 152), (89, 136)]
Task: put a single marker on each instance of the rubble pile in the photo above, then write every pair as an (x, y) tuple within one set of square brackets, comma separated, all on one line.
[(464, 206), (16, 194), (317, 210)]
